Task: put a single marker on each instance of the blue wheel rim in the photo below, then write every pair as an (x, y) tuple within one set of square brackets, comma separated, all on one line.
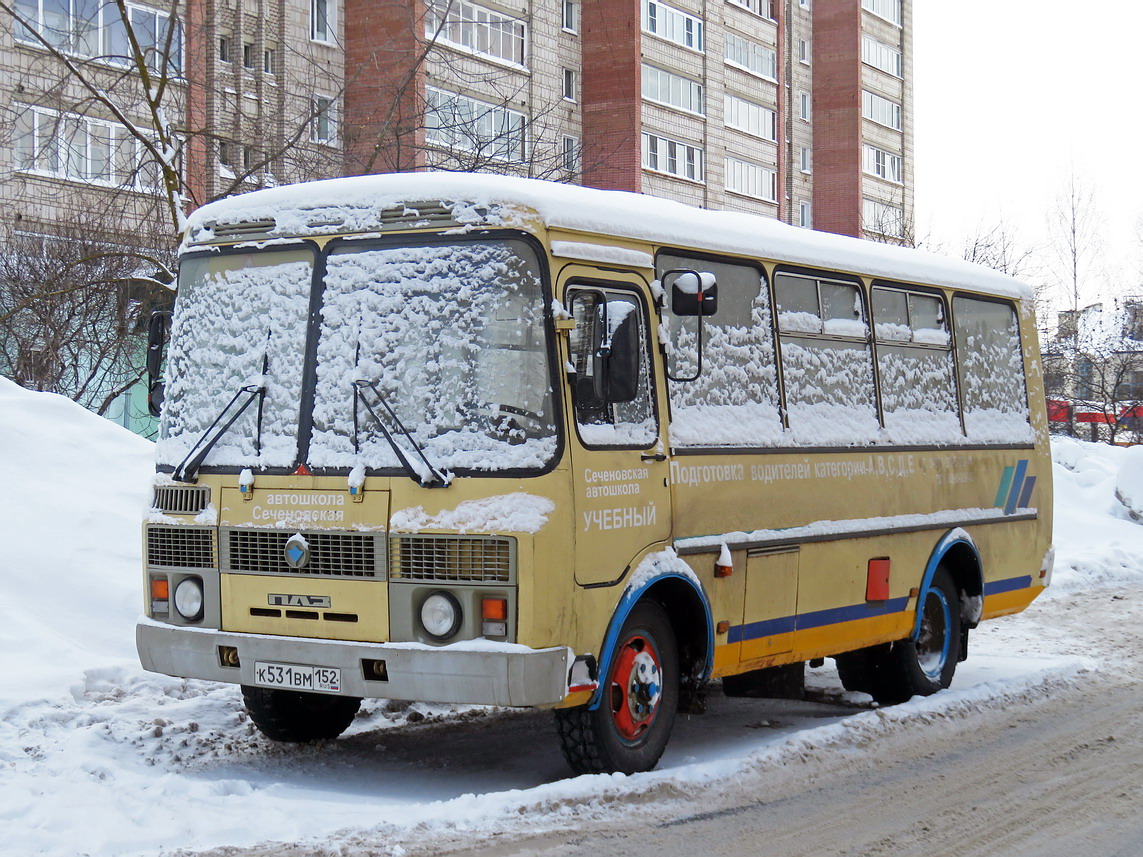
[(935, 640)]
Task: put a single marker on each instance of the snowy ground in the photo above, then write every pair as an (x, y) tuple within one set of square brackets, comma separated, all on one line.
[(98, 757)]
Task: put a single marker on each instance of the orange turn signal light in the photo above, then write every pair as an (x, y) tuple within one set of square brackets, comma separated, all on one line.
[(494, 609), (160, 589)]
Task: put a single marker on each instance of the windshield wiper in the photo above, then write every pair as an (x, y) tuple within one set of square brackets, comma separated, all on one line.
[(430, 477), (188, 470)]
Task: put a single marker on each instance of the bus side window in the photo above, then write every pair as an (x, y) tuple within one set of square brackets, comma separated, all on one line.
[(827, 361), (991, 366), (915, 365), (600, 423), (734, 402)]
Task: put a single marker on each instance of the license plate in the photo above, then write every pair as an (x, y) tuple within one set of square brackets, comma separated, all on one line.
[(294, 677)]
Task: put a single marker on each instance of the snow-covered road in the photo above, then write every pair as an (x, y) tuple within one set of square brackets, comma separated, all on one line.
[(98, 757)]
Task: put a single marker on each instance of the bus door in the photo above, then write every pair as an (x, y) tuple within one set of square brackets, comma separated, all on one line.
[(619, 463)]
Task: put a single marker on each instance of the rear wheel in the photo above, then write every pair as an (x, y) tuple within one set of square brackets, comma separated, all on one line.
[(291, 715), (629, 729), (925, 665)]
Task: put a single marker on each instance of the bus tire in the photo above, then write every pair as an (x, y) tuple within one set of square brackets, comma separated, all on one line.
[(923, 666), (858, 670), (628, 731), (296, 716)]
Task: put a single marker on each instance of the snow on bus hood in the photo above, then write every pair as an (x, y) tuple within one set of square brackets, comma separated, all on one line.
[(503, 513), (509, 202)]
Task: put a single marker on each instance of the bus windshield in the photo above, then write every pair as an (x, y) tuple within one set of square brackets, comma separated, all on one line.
[(444, 341), (240, 321)]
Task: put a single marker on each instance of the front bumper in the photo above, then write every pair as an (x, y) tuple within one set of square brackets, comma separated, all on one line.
[(474, 672)]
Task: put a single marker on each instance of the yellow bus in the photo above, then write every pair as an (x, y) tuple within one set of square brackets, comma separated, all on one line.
[(475, 439)]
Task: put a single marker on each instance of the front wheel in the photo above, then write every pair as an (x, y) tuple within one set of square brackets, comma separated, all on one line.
[(292, 715), (628, 731), (925, 665)]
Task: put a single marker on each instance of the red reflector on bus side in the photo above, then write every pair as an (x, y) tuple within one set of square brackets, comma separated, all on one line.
[(877, 580)]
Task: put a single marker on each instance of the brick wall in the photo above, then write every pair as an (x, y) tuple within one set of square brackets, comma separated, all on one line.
[(612, 153), (385, 88), (837, 117)]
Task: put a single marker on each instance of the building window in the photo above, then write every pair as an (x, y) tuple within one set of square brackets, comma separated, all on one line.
[(805, 106), (321, 20), (224, 48), (882, 218), (758, 7), (885, 165), (890, 10), (881, 56), (324, 126), (571, 16), (804, 51), (671, 89), (226, 153), (681, 160), (752, 180), (268, 61), (81, 149), (248, 56), (569, 84), (669, 23), (806, 159), (472, 28), (465, 124), (805, 215), (751, 56), (571, 154), (743, 115), (90, 29), (881, 110)]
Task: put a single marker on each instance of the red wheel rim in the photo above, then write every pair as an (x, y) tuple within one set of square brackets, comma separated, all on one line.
[(636, 687)]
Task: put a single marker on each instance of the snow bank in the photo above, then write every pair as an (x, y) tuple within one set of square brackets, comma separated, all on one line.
[(1097, 543), (98, 757), (75, 488)]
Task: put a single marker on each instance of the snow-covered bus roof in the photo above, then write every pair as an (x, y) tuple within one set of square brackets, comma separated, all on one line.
[(355, 204)]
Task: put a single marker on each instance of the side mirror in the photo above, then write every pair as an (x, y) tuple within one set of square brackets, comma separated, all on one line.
[(156, 345), (692, 293), (615, 363)]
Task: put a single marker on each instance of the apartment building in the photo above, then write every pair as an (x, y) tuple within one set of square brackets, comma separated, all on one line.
[(795, 109)]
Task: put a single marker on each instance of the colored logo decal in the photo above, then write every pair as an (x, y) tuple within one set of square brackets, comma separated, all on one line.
[(1016, 486)]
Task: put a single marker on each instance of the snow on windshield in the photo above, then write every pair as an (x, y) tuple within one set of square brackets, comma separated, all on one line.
[(237, 315), (452, 337)]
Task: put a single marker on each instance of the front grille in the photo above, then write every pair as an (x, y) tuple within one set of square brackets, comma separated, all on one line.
[(181, 499), (488, 560), (331, 554), (180, 547)]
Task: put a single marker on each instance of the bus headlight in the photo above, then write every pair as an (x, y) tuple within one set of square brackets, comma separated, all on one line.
[(188, 598), (441, 615)]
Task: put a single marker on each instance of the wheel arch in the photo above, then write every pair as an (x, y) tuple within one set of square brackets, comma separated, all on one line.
[(673, 586), (958, 554)]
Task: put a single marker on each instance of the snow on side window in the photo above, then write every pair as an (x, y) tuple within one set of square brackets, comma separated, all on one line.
[(237, 314), (915, 365), (992, 371), (452, 337), (624, 424), (734, 402), (827, 372)]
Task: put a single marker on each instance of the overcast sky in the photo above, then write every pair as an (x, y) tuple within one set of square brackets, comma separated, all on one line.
[(1011, 95)]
